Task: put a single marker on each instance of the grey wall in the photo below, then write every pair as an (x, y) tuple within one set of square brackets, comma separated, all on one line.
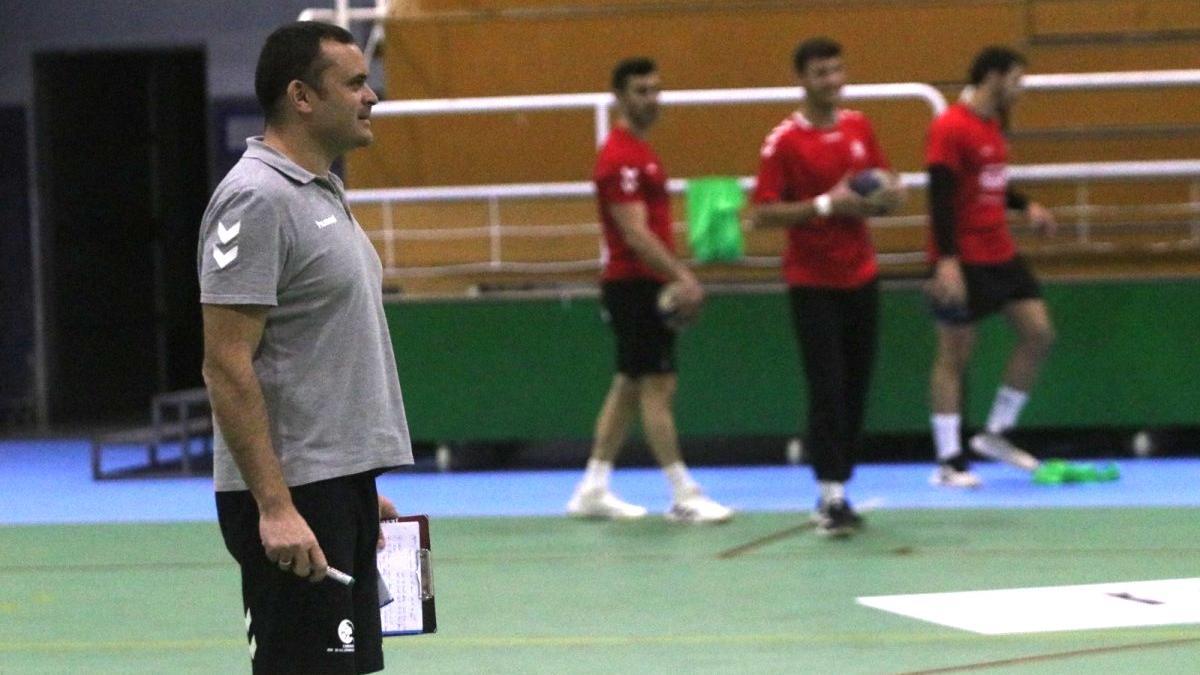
[(230, 30)]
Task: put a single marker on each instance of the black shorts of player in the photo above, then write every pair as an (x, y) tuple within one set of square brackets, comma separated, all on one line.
[(989, 289), (292, 624), (645, 345)]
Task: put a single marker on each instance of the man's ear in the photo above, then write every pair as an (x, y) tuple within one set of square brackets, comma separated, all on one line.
[(299, 96)]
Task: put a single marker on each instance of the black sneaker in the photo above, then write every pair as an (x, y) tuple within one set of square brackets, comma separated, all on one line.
[(836, 519)]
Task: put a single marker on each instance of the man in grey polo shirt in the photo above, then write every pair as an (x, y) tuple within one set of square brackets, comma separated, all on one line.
[(299, 364)]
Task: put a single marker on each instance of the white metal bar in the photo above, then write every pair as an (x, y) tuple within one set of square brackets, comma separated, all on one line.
[(490, 104), (1029, 173), (602, 124), (352, 14), (1114, 80), (494, 231), (680, 97)]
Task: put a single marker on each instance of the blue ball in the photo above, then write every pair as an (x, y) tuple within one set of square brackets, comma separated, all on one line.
[(866, 182)]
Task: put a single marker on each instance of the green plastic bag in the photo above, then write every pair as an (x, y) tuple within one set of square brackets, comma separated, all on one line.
[(1058, 472), (714, 225)]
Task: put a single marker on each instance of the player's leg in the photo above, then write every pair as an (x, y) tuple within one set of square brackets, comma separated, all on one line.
[(817, 320), (1029, 318), (593, 496), (689, 504), (623, 310), (955, 342), (860, 329)]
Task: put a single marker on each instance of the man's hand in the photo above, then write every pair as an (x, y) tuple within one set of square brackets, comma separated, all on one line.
[(847, 202), (690, 296), (889, 198), (1041, 219), (290, 543), (387, 511), (947, 288)]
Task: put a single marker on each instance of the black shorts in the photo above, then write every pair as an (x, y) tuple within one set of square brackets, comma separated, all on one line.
[(293, 625), (990, 288), (645, 345)]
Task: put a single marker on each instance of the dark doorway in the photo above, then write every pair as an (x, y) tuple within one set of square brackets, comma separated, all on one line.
[(123, 182)]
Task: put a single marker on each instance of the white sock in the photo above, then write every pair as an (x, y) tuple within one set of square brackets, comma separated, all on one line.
[(596, 475), (1005, 409), (832, 491), (681, 481), (945, 435)]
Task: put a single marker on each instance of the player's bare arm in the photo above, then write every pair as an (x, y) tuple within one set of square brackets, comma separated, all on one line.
[(631, 219), (231, 336)]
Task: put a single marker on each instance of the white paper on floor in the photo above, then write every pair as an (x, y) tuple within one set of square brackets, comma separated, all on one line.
[(1053, 608)]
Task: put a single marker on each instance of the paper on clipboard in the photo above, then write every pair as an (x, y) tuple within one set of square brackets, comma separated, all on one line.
[(405, 578)]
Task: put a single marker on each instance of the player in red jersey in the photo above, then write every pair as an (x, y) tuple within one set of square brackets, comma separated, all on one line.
[(639, 259), (807, 162), (976, 268)]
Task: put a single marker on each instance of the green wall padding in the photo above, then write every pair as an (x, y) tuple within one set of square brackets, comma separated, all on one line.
[(1127, 355)]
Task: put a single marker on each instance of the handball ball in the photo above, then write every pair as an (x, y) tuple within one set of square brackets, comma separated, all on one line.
[(668, 307), (868, 182)]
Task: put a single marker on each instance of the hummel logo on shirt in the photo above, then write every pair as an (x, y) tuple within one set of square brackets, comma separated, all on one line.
[(223, 258), (226, 235), (325, 222)]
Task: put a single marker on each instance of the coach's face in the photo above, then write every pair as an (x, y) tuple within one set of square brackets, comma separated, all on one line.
[(823, 80), (639, 99), (341, 107)]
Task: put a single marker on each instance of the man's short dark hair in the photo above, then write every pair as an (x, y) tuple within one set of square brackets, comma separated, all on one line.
[(814, 48), (632, 67), (293, 52), (994, 59)]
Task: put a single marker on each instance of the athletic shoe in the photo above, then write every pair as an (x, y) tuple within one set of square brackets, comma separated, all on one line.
[(696, 508), (948, 476), (602, 504), (836, 518), (999, 448)]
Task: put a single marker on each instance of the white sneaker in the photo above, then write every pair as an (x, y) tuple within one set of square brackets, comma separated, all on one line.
[(948, 476), (999, 448), (696, 507), (601, 503)]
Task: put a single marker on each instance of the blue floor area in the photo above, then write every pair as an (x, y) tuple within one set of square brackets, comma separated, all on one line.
[(50, 482)]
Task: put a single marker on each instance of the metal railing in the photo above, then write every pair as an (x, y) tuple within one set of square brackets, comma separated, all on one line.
[(1081, 174)]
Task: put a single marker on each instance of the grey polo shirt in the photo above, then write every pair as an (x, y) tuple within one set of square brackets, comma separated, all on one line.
[(275, 234)]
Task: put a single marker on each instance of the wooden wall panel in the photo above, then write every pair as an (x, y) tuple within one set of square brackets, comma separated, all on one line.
[(453, 48), (1112, 17)]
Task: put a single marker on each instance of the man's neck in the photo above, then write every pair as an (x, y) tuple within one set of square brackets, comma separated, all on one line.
[(300, 148), (983, 103), (634, 130), (818, 115)]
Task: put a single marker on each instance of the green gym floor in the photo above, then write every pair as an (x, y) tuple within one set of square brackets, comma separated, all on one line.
[(544, 594)]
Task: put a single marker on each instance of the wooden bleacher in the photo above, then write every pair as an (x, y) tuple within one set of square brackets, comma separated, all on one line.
[(435, 49)]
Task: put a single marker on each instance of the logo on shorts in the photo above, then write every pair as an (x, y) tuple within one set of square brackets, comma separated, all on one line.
[(345, 633)]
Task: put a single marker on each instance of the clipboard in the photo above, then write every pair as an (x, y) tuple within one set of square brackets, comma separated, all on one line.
[(406, 605)]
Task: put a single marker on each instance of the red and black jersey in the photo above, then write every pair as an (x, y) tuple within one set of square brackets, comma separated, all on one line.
[(799, 162), (976, 152), (628, 170)]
